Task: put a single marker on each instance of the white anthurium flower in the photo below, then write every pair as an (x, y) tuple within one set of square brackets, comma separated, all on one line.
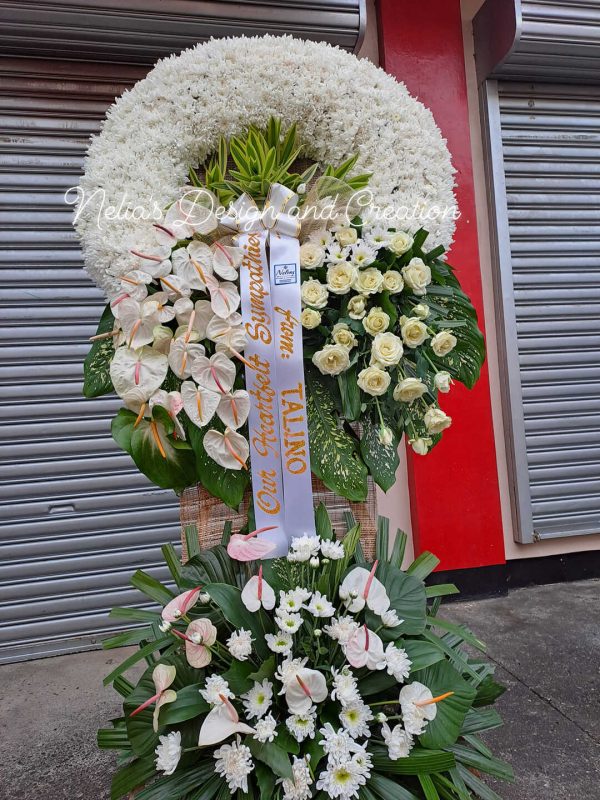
[(174, 226), (228, 334), (175, 287), (224, 298), (138, 321), (193, 264), (257, 593), (308, 688), (220, 723), (216, 373), (226, 260), (230, 449), (183, 355), (365, 649), (195, 317), (141, 371), (162, 676), (164, 309), (135, 283), (199, 403), (360, 587), (172, 402), (163, 337), (418, 706), (234, 408), (154, 260)]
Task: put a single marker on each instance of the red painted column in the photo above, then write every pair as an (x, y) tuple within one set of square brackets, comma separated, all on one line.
[(455, 501)]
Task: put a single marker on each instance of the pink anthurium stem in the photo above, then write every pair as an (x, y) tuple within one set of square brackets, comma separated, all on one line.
[(165, 230), (145, 705), (241, 358), (224, 251), (138, 367), (370, 580)]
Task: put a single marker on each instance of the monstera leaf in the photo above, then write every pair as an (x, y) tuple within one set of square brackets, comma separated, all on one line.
[(333, 453), (96, 367)]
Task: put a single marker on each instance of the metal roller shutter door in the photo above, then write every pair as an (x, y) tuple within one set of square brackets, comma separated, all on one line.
[(550, 144), (77, 517)]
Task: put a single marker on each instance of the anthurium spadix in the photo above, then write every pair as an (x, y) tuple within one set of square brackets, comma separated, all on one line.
[(200, 404), (175, 287), (179, 606), (220, 723), (183, 355), (258, 594), (365, 649), (162, 676), (228, 334), (248, 547), (418, 706), (141, 371), (360, 587), (154, 260), (216, 373), (308, 688), (228, 449), (233, 408)]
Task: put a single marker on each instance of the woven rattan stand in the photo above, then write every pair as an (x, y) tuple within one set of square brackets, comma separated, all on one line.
[(209, 514)]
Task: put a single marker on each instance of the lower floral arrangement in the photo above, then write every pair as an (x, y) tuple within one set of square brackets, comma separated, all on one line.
[(314, 675)]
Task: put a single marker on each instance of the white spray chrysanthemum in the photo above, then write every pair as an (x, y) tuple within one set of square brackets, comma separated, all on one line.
[(168, 753), (234, 763)]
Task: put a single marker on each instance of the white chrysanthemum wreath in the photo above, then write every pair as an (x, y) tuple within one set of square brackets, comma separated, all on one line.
[(173, 119)]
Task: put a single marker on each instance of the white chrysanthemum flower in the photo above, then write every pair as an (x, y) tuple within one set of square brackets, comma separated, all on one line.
[(362, 255), (299, 787), (397, 662), (294, 600), (355, 718), (234, 763), (342, 779), (322, 238), (288, 622), (265, 729), (257, 700), (239, 644), (336, 254), (168, 753), (338, 745), (332, 549), (345, 687), (391, 619), (302, 726), (279, 642), (305, 547), (214, 687), (376, 236), (320, 606), (399, 742), (287, 671), (342, 629)]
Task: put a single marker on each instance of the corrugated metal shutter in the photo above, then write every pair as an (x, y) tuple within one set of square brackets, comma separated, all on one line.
[(550, 152), (77, 517)]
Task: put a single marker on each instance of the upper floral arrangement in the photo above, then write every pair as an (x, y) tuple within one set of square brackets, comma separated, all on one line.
[(386, 327)]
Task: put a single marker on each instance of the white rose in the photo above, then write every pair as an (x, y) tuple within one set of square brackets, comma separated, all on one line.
[(442, 381), (392, 281), (400, 243), (311, 255), (357, 306), (346, 236), (340, 277), (417, 275), (442, 343), (421, 446), (385, 436), (387, 349), (409, 390), (332, 359), (369, 281), (373, 381), (376, 321), (421, 310), (310, 318), (343, 336), (436, 420), (314, 294), (414, 332)]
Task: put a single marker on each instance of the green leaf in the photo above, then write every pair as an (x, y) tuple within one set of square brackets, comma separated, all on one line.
[(122, 429), (96, 367), (134, 614), (266, 670), (127, 638), (167, 466), (228, 485), (428, 787), (488, 691), (407, 598), (333, 453), (382, 460), (238, 676), (397, 556), (423, 565), (209, 566), (382, 542), (150, 648), (458, 630), (113, 739), (350, 394), (182, 781), (132, 776), (229, 600), (189, 704), (480, 788), (151, 587), (323, 524), (272, 755), (445, 728), (422, 654), (480, 720), (265, 777), (173, 563), (420, 760), (441, 590)]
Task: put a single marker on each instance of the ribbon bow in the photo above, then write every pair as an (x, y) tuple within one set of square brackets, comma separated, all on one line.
[(276, 216)]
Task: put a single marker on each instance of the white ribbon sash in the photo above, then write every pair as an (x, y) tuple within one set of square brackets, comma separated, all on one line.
[(271, 308)]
